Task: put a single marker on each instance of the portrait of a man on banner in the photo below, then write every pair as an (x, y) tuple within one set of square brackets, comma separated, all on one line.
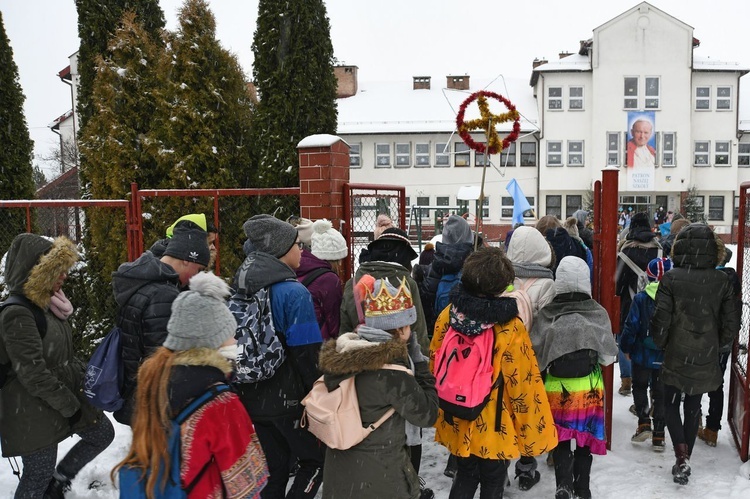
[(641, 148)]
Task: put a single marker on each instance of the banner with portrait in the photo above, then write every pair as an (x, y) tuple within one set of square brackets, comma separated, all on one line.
[(640, 152)]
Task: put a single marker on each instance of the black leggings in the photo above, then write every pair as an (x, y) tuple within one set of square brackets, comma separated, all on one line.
[(682, 432), (39, 466)]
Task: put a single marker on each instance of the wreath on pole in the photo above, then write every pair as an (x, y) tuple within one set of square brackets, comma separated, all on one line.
[(487, 123)]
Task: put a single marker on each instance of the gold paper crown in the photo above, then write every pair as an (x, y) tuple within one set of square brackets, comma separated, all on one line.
[(385, 303)]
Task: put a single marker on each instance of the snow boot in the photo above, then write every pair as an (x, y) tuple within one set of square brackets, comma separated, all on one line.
[(564, 462), (526, 473), (625, 387), (632, 410), (709, 436), (657, 441), (582, 475), (57, 487), (451, 467), (642, 433), (681, 469), (424, 492)]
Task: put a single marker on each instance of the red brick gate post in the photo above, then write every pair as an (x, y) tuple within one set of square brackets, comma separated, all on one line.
[(323, 171)]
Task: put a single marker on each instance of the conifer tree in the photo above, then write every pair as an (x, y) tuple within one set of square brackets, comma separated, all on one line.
[(692, 209), (293, 72), (16, 146), (97, 22)]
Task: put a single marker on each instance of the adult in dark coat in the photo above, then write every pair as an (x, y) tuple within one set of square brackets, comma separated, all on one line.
[(562, 242), (42, 402), (696, 313), (586, 234)]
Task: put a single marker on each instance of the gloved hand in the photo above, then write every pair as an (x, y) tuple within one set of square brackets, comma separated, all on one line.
[(75, 418), (415, 352)]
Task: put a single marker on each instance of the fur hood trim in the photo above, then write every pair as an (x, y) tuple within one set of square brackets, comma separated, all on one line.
[(60, 258), (487, 310), (359, 354), (203, 357)]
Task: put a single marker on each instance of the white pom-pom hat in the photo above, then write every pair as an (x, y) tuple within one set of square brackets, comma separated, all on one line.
[(327, 242), (200, 317)]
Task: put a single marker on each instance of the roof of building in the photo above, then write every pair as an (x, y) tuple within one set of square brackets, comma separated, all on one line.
[(48, 189), (395, 107), (55, 125)]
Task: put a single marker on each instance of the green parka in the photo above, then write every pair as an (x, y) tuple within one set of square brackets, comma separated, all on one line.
[(44, 386)]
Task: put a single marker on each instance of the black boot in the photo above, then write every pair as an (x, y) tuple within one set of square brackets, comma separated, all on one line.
[(526, 473), (582, 473), (563, 471), (57, 487)]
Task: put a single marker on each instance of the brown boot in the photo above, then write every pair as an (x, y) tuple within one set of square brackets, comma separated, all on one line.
[(625, 387), (681, 469), (709, 436)]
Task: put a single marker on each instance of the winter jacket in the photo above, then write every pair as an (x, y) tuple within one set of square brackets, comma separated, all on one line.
[(564, 245), (641, 246), (449, 259), (220, 450), (326, 293), (394, 273), (144, 291), (636, 339), (44, 385), (696, 312), (380, 465), (531, 256), (527, 427), (295, 323)]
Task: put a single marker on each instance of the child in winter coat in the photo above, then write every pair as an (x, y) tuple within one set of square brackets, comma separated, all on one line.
[(221, 455), (646, 358), (516, 419), (380, 465), (571, 337)]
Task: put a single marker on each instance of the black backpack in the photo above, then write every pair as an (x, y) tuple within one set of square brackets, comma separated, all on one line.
[(41, 325)]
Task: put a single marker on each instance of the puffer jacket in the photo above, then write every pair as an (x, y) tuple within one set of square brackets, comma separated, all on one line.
[(527, 427), (394, 273), (221, 455), (641, 246), (696, 312), (531, 256), (144, 291), (44, 387), (380, 465), (326, 293)]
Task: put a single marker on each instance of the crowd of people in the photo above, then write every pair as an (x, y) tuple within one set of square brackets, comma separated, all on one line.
[(523, 313)]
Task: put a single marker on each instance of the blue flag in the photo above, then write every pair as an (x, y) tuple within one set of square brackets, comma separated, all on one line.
[(520, 204)]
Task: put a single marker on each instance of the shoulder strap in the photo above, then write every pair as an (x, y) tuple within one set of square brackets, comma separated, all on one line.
[(309, 278), (391, 411), (41, 321), (527, 283), (630, 263), (198, 402)]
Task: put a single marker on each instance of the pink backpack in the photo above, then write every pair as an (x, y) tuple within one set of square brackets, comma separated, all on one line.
[(464, 374)]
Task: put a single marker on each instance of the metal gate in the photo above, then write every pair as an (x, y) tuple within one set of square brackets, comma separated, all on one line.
[(362, 205), (739, 390)]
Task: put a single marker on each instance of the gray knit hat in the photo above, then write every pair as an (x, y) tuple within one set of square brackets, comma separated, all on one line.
[(200, 317), (189, 243), (270, 235), (389, 308), (457, 230)]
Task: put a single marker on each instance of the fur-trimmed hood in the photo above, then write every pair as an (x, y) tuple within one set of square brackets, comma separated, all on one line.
[(34, 263), (350, 354), (203, 357)]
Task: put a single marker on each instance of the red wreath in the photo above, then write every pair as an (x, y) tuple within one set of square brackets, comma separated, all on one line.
[(488, 122)]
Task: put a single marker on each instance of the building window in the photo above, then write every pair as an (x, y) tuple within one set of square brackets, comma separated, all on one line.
[(668, 149), (528, 153), (442, 155), (575, 153), (355, 155), (424, 201), (716, 207), (575, 98), (480, 158), (736, 213), (422, 155), (486, 207), (702, 98), (652, 92), (403, 155), (700, 153), (743, 155), (506, 208), (721, 153), (554, 206), (554, 153), (508, 155), (462, 156), (723, 98), (631, 93), (382, 155), (554, 98), (573, 203), (613, 148)]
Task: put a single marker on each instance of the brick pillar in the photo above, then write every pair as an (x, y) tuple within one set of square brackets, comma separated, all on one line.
[(323, 171)]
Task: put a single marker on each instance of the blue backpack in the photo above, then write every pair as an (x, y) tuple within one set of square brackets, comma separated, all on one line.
[(103, 381), (133, 485), (442, 294)]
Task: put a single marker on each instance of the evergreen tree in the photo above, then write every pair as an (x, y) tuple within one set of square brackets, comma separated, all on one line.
[(692, 209), (97, 22), (16, 151), (293, 72)]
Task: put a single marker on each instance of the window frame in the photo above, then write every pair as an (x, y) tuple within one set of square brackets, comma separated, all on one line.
[(656, 99), (665, 150), (558, 143), (402, 155), (702, 153), (506, 207), (525, 155), (702, 98), (721, 99), (386, 155), (481, 159), (577, 204), (571, 154), (743, 157), (464, 151), (425, 214), (355, 155), (558, 99), (508, 156), (715, 210), (550, 207), (634, 96), (418, 155), (723, 159), (614, 151), (578, 98), (442, 153)]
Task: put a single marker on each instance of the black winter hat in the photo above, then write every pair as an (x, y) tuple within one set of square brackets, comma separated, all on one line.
[(393, 245), (640, 219), (189, 243), (270, 235)]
